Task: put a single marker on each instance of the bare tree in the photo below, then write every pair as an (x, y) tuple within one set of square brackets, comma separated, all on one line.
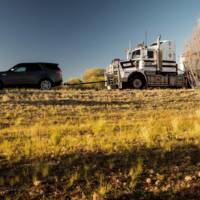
[(192, 51)]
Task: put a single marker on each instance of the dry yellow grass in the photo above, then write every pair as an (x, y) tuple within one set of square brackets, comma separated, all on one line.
[(118, 144)]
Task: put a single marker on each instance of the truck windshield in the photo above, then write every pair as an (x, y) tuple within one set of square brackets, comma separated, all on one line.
[(136, 54)]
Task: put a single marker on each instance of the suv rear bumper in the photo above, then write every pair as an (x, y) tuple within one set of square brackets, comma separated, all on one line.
[(58, 83)]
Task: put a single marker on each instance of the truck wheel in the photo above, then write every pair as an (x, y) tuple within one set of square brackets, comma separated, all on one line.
[(137, 82), (45, 84)]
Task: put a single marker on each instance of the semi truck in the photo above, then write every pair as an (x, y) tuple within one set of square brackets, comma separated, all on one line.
[(149, 66)]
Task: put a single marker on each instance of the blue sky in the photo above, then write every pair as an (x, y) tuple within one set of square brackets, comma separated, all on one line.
[(79, 34)]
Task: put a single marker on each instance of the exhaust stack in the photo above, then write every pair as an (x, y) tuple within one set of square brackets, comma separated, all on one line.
[(159, 59)]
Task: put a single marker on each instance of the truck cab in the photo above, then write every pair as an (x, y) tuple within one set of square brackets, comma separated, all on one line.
[(153, 65)]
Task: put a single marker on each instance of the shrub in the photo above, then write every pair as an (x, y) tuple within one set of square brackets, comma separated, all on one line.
[(74, 83), (94, 75)]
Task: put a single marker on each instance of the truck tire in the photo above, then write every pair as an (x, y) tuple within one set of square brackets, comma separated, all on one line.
[(137, 82)]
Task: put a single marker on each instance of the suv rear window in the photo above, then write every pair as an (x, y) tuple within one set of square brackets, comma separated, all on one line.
[(52, 67)]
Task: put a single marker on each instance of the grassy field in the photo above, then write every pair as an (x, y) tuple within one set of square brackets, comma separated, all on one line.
[(73, 144)]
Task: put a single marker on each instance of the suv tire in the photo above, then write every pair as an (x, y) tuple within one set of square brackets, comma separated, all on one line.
[(45, 84)]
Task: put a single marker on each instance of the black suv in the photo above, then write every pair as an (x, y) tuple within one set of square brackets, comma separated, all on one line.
[(42, 75)]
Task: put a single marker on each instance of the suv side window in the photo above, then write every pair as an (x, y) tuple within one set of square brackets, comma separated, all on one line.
[(34, 68), (52, 67), (20, 69)]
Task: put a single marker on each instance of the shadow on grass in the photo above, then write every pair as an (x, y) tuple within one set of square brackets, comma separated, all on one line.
[(139, 103), (162, 175)]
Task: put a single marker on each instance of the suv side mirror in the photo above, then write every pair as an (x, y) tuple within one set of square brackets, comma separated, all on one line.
[(12, 69)]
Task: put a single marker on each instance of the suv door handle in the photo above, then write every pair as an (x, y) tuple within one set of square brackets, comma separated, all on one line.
[(4, 74)]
